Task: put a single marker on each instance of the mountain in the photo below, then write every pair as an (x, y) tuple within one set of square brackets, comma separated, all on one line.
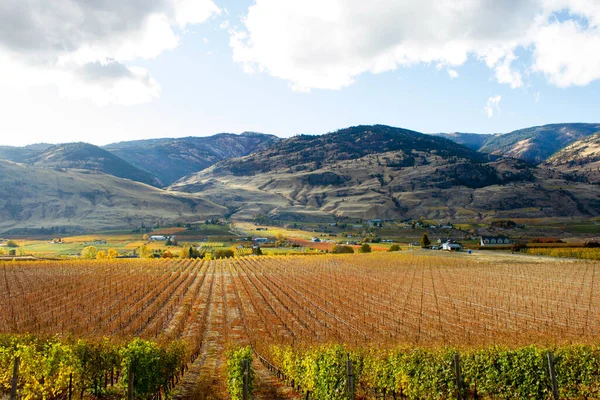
[(90, 157), (311, 152), (22, 154), (536, 144), (384, 172), (33, 197), (474, 141), (581, 159), (172, 159)]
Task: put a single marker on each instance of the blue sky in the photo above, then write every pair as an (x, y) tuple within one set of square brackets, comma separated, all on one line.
[(317, 66)]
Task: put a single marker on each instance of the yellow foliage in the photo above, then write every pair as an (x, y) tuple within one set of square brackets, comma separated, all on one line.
[(144, 251), (89, 252), (101, 255), (112, 254)]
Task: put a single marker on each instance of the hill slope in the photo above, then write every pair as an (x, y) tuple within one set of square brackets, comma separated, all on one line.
[(310, 152), (582, 159), (32, 197), (537, 143), (474, 141), (383, 172), (172, 159), (22, 154), (90, 157)]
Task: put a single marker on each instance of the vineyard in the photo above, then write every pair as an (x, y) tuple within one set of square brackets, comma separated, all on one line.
[(387, 312)]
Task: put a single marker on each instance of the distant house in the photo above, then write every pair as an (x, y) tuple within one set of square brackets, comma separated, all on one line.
[(160, 238), (261, 240), (451, 245), (494, 241), (315, 240)]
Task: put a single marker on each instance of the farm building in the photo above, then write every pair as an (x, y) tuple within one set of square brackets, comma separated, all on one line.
[(451, 245), (261, 240), (494, 240), (156, 238)]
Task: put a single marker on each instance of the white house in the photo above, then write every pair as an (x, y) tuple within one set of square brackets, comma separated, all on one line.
[(494, 241), (261, 240), (156, 238), (451, 246)]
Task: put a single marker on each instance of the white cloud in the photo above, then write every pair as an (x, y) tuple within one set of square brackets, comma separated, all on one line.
[(84, 48), (568, 54), (536, 96), (493, 106), (452, 73), (328, 44)]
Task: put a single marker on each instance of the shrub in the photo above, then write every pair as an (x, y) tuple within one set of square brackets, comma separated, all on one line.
[(223, 253), (364, 248), (89, 252), (11, 243), (394, 247), (516, 247), (144, 251), (341, 249), (112, 253)]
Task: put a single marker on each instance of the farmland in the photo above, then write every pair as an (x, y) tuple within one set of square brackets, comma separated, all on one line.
[(416, 300)]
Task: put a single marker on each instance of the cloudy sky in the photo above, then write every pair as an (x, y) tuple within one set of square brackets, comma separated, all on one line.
[(109, 70)]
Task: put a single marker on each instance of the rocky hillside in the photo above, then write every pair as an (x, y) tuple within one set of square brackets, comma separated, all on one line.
[(312, 152), (89, 157), (536, 144), (383, 172), (581, 159), (172, 159), (32, 197)]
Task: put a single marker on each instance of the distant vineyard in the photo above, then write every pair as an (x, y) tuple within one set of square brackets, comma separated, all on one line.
[(582, 253), (364, 301)]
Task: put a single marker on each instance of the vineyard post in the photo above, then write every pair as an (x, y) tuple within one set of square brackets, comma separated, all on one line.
[(458, 376), (15, 379), (245, 380), (350, 381), (553, 375), (130, 382), (70, 386)]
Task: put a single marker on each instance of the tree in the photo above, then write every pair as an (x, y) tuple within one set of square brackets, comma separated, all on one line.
[(257, 251), (394, 247), (89, 253), (167, 254), (425, 241), (101, 255), (1, 252), (364, 248), (145, 237), (12, 243)]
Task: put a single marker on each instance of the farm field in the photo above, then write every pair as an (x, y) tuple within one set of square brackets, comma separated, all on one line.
[(416, 299)]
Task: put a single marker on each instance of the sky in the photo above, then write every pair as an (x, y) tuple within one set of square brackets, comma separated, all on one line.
[(103, 71)]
